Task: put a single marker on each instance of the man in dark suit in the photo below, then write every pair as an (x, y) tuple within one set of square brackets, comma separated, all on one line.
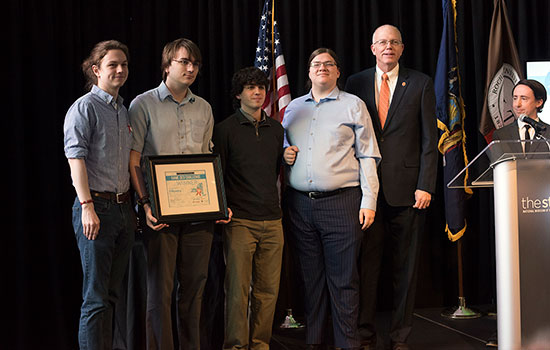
[(402, 104), (529, 97)]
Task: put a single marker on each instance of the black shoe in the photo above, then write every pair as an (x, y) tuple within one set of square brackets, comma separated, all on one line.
[(400, 346), (492, 341), (313, 347), (369, 343)]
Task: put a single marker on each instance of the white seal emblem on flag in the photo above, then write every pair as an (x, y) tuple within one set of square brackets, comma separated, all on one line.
[(499, 95)]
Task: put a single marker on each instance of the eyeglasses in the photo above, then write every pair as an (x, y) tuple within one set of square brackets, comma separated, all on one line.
[(327, 64), (384, 43), (185, 62)]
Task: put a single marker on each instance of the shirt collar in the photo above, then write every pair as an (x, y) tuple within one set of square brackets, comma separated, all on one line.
[(392, 74), (332, 96), (165, 93), (105, 96), (250, 118)]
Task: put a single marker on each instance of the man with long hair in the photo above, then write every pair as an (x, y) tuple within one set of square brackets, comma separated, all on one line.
[(97, 145)]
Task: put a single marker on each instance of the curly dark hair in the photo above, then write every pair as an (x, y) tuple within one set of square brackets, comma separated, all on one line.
[(246, 76)]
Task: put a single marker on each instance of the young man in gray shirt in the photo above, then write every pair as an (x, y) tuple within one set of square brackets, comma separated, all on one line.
[(170, 119)]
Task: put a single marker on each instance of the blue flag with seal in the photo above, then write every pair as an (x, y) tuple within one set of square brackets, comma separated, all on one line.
[(450, 121)]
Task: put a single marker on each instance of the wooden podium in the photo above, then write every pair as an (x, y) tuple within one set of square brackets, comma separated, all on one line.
[(521, 183)]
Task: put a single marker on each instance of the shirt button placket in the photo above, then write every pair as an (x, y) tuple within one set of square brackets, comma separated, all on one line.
[(120, 160), (187, 142), (182, 128), (313, 127)]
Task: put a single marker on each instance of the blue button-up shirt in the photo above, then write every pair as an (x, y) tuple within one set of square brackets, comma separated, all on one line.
[(97, 129), (336, 142)]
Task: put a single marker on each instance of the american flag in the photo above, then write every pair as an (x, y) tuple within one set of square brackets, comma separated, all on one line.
[(264, 61)]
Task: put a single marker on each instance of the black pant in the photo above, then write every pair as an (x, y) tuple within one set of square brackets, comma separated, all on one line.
[(403, 226), (182, 250), (326, 235)]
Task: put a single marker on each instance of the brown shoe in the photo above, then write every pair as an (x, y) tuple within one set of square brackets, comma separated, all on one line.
[(400, 346)]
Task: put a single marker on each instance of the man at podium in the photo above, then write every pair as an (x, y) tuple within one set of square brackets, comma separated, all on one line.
[(529, 97)]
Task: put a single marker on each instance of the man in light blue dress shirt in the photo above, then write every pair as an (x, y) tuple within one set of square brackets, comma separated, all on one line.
[(332, 155)]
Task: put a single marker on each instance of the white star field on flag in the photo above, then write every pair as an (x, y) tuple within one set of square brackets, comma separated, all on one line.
[(264, 62)]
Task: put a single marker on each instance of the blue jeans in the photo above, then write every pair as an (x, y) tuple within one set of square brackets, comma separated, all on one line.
[(104, 261)]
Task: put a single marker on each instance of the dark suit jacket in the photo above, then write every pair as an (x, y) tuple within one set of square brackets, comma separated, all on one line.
[(408, 143), (511, 132)]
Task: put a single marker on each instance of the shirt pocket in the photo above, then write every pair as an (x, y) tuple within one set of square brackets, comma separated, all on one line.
[(341, 136), (198, 127)]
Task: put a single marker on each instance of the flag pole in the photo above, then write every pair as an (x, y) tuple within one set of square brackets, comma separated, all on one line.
[(461, 312), (460, 275), (289, 321), (274, 66)]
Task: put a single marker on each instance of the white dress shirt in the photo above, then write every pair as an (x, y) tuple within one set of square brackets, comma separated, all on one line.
[(392, 81)]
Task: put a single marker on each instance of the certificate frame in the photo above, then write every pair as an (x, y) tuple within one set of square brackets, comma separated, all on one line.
[(186, 187)]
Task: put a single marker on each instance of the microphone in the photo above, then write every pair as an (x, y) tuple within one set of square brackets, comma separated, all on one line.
[(192, 99), (538, 126)]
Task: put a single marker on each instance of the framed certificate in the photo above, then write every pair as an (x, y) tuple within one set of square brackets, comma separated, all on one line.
[(187, 187)]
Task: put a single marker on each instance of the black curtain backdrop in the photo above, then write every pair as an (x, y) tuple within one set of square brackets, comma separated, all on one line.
[(47, 41)]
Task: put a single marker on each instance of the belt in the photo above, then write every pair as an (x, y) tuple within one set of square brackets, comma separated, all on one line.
[(323, 194), (118, 198)]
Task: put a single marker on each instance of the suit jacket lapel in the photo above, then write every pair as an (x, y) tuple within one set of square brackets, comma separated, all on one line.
[(370, 93), (400, 88), (512, 133), (542, 146)]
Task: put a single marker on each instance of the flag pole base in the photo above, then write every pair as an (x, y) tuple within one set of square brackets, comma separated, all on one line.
[(461, 312), (290, 322)]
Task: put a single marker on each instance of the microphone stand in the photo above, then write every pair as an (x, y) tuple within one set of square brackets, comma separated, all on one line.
[(540, 136)]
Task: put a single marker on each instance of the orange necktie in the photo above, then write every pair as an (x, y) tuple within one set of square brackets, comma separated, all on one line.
[(384, 100)]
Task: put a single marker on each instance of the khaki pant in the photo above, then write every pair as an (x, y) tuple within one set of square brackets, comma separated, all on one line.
[(253, 252)]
